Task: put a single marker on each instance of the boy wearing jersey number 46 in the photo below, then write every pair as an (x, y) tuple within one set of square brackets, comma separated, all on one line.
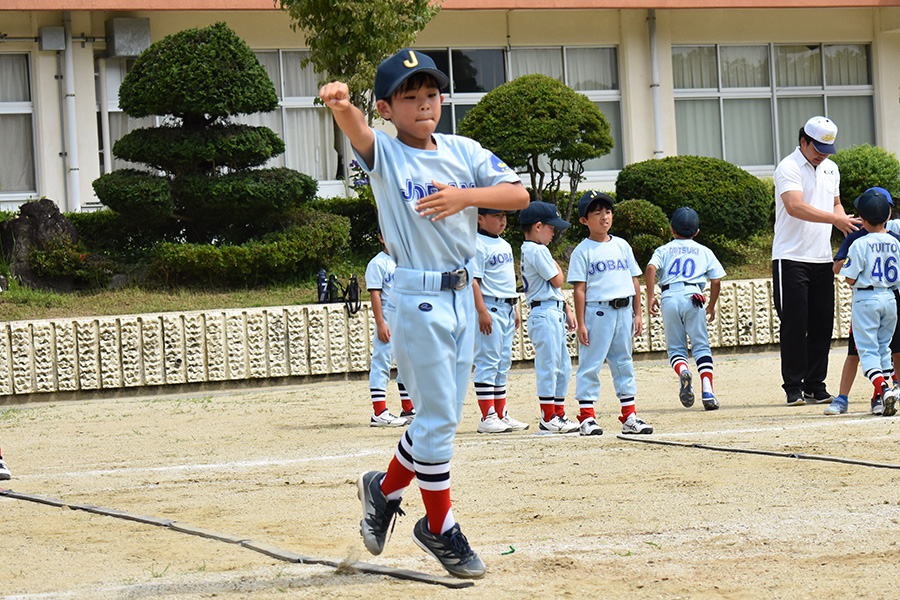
[(427, 189), (871, 269), (607, 295), (683, 266)]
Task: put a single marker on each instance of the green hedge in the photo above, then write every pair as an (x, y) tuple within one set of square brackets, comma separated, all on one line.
[(363, 218), (180, 150), (863, 167), (730, 201), (142, 196), (279, 257)]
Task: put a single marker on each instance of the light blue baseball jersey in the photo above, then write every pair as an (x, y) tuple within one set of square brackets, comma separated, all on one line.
[(686, 261), (538, 268), (380, 276), (606, 268), (873, 261), (494, 266), (401, 176)]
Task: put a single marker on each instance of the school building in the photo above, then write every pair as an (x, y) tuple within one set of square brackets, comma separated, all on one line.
[(734, 79)]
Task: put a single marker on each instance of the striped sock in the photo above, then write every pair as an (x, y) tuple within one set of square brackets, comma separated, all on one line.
[(405, 401), (485, 394), (379, 405), (434, 483), (548, 411), (401, 471), (705, 367), (500, 400), (628, 409)]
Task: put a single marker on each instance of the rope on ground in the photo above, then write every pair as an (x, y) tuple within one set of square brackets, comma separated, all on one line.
[(260, 547), (837, 459)]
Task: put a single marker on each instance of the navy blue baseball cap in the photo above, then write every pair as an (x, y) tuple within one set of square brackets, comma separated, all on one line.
[(874, 205), (490, 211), (685, 221), (587, 202), (393, 71), (542, 212)]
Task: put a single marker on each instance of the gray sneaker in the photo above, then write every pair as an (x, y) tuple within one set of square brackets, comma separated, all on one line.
[(378, 511), (686, 393), (451, 549), (877, 406), (4, 471), (889, 399)]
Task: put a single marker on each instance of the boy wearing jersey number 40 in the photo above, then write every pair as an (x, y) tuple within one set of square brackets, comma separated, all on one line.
[(427, 189), (607, 295), (871, 269), (683, 266)]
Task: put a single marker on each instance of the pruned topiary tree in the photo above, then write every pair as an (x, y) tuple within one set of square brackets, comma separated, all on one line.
[(863, 167), (542, 127), (208, 189)]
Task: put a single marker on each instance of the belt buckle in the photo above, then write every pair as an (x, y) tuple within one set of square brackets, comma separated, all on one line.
[(458, 279)]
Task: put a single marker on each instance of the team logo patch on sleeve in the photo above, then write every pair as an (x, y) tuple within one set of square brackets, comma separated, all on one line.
[(846, 262), (498, 165)]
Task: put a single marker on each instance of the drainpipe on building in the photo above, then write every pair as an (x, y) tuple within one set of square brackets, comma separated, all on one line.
[(73, 201), (654, 86), (104, 116)]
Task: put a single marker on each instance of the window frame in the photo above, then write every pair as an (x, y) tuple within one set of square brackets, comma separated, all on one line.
[(11, 200)]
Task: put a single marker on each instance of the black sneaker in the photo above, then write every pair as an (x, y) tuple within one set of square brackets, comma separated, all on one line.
[(795, 399), (451, 549), (686, 392), (820, 397), (378, 511), (409, 415), (4, 471)]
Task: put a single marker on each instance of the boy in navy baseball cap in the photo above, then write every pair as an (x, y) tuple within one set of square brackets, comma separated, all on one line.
[(428, 187)]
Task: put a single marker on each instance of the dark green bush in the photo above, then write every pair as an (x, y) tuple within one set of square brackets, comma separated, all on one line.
[(142, 196), (239, 206), (730, 201), (279, 257), (863, 167), (179, 150), (363, 218), (636, 217), (61, 257), (197, 74), (643, 245)]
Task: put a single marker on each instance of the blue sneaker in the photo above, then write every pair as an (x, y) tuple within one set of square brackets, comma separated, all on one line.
[(709, 401), (838, 406)]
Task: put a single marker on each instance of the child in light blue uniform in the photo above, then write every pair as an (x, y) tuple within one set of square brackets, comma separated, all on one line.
[(496, 302), (379, 278), (604, 272), (427, 187), (550, 315), (683, 266), (871, 269)]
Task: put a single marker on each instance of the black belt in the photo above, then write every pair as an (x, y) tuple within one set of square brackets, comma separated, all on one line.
[(666, 286), (871, 287), (616, 303), (454, 280), (557, 303), (506, 300)]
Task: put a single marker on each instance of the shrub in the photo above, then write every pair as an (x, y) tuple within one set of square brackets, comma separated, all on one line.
[(863, 167), (142, 196), (636, 217), (643, 245), (277, 257), (730, 201), (61, 257)]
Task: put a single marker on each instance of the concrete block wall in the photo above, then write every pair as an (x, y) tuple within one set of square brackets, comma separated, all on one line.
[(134, 351)]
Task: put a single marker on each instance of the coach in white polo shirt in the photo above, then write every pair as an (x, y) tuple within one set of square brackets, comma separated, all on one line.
[(807, 205)]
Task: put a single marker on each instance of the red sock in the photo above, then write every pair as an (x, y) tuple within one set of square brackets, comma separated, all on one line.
[(398, 477), (435, 494), (627, 409), (547, 410), (500, 407), (379, 406), (706, 376), (406, 405), (879, 383), (679, 366), (559, 410), (485, 406), (586, 412)]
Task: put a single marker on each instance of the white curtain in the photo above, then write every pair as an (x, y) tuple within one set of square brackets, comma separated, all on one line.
[(855, 118), (612, 161), (528, 61), (798, 66), (847, 65), (744, 66), (309, 137), (748, 131), (697, 128), (694, 67), (16, 133), (269, 61), (792, 114), (592, 69), (299, 81)]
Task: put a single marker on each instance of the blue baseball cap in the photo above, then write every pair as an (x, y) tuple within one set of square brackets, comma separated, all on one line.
[(542, 212), (685, 221), (874, 205), (490, 211), (589, 199), (393, 71)]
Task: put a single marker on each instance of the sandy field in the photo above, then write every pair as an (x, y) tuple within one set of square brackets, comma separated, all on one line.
[(552, 516)]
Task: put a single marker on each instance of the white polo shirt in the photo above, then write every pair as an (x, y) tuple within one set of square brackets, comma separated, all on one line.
[(796, 239)]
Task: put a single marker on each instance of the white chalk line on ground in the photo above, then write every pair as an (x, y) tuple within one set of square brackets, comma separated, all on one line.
[(229, 466)]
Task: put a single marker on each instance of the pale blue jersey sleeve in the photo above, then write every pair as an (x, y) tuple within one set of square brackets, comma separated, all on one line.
[(578, 265)]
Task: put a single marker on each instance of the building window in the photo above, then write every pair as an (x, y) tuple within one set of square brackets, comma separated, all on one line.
[(592, 71), (746, 104), (17, 176)]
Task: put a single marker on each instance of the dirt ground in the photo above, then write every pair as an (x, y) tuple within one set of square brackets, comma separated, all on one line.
[(552, 516)]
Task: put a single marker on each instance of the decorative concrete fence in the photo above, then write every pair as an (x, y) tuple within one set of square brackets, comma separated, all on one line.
[(140, 351)]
